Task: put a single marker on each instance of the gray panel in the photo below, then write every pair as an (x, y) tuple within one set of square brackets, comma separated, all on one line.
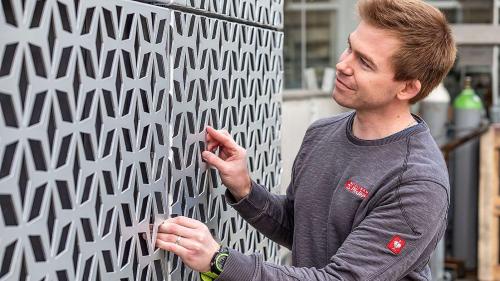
[(102, 110), (229, 76), (84, 146)]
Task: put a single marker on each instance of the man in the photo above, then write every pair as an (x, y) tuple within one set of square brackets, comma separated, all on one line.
[(369, 193)]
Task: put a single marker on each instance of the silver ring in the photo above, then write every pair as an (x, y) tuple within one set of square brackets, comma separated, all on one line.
[(178, 240)]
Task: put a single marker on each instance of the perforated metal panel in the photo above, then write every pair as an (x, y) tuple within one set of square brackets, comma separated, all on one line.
[(103, 106), (234, 83)]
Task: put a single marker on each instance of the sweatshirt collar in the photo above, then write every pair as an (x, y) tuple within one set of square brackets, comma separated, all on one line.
[(420, 127)]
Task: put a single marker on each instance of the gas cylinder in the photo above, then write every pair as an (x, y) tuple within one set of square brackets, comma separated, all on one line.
[(468, 110)]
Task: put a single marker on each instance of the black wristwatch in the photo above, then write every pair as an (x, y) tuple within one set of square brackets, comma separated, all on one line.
[(218, 260)]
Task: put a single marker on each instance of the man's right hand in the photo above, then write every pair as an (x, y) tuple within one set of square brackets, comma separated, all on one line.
[(231, 162)]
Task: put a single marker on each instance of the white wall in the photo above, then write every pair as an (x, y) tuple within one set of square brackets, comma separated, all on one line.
[(300, 108)]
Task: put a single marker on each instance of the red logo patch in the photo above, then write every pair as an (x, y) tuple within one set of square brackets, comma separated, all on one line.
[(396, 244), (356, 189)]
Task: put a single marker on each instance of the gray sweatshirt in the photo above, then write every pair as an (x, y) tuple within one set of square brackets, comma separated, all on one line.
[(354, 210)]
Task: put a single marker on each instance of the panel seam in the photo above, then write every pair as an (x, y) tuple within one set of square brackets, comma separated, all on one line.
[(176, 7)]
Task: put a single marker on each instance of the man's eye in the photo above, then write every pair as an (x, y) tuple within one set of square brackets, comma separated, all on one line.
[(364, 63)]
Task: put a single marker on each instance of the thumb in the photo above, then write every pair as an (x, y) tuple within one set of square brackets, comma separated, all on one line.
[(213, 160)]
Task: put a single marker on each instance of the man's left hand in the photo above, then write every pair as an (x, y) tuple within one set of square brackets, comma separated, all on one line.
[(190, 240)]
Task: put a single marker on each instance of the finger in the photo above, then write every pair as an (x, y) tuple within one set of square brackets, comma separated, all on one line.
[(211, 142), (176, 229), (223, 155), (172, 247), (188, 222), (183, 242), (212, 145), (222, 137), (214, 160), (209, 137)]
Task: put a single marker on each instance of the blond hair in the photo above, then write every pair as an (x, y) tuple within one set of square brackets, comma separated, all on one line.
[(427, 50)]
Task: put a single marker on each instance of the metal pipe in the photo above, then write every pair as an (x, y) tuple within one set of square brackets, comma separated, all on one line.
[(496, 51), (303, 45), (446, 5), (494, 76), (312, 6)]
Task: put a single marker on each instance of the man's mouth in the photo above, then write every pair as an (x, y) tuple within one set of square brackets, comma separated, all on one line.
[(344, 84)]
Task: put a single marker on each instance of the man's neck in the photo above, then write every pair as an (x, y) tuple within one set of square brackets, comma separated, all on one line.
[(377, 125)]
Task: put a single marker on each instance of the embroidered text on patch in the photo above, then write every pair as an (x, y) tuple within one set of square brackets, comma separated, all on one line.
[(356, 189), (396, 244)]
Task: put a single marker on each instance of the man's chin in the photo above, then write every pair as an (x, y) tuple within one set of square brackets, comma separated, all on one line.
[(337, 97)]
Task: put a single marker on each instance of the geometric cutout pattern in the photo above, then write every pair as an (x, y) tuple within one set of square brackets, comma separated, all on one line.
[(103, 106)]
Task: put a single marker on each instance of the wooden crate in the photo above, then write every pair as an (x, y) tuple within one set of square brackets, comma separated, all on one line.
[(489, 206)]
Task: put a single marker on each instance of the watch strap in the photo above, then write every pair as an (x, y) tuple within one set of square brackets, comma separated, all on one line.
[(208, 276)]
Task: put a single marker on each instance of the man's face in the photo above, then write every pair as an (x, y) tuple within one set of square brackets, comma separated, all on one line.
[(365, 76)]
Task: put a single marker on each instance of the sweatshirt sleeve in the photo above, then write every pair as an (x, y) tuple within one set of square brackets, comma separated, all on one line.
[(270, 214), (395, 238)]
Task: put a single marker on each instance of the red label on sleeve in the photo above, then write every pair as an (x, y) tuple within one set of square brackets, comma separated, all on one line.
[(396, 244)]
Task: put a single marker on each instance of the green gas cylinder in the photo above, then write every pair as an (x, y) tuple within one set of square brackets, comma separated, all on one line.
[(468, 111), (467, 99)]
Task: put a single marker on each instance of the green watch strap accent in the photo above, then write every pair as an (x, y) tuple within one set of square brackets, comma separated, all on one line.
[(203, 277), (208, 276)]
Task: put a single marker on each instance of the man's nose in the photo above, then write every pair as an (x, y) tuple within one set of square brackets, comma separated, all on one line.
[(344, 65)]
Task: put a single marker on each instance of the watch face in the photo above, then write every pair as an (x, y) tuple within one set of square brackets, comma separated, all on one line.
[(220, 261)]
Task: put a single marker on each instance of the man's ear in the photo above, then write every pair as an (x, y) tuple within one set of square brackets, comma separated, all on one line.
[(410, 90)]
